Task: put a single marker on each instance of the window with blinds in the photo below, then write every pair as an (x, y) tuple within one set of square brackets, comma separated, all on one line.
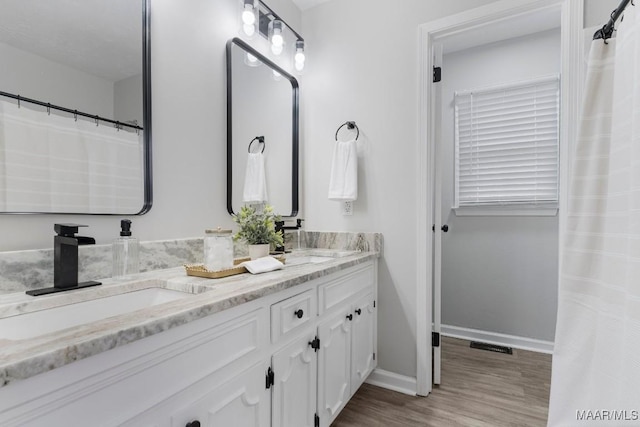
[(506, 145)]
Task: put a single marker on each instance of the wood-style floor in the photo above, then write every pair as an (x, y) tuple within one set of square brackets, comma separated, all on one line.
[(479, 388)]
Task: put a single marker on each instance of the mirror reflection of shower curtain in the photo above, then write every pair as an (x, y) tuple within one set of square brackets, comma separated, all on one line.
[(53, 163), (595, 361)]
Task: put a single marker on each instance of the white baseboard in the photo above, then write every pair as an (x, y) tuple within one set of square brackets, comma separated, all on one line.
[(523, 343), (392, 381)]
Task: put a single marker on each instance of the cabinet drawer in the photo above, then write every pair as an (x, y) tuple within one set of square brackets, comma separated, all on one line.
[(292, 313), (342, 288)]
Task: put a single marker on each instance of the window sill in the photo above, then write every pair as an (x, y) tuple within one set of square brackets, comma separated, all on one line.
[(505, 211)]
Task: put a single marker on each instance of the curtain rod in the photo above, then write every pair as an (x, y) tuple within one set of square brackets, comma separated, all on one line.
[(607, 30), (67, 110)]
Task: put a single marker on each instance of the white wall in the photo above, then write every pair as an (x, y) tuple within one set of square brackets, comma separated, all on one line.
[(499, 274), (32, 76), (127, 99), (363, 66), (189, 129)]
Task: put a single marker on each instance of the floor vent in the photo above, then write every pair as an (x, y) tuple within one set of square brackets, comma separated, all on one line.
[(491, 347)]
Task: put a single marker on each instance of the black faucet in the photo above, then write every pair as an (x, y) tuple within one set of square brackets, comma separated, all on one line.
[(65, 260), (281, 227)]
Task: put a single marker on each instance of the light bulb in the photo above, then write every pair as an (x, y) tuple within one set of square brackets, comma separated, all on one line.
[(299, 65), (277, 39), (277, 50), (248, 17), (249, 29), (276, 75), (299, 57), (252, 59)]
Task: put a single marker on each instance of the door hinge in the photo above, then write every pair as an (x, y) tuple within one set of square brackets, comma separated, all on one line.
[(270, 378), (435, 339), (315, 344), (316, 420), (437, 74)]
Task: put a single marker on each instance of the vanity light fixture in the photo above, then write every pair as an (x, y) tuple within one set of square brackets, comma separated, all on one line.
[(299, 57), (249, 17), (251, 60), (260, 18), (276, 37)]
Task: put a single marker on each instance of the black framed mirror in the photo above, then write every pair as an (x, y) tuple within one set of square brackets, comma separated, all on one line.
[(75, 107), (263, 108)]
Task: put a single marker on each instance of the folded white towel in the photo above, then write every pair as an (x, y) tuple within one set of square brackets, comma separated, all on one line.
[(262, 265), (255, 182), (343, 184)]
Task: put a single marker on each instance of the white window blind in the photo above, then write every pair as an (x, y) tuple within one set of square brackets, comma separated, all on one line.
[(506, 145)]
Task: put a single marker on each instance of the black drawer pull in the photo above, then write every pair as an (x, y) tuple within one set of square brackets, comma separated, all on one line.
[(358, 312), (194, 423), (299, 313), (350, 316)]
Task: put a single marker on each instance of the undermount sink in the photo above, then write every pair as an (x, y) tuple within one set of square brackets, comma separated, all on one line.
[(33, 324)]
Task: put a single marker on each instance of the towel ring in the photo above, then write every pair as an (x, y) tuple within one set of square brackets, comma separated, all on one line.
[(350, 125), (260, 140)]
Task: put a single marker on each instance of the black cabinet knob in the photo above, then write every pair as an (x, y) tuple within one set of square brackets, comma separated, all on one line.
[(350, 316), (299, 313), (358, 312), (444, 228), (194, 423)]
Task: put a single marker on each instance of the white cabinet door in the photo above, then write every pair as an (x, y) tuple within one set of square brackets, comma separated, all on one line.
[(334, 365), (241, 402), (295, 381), (363, 341)]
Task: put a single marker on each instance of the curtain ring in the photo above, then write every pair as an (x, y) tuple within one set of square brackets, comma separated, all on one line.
[(260, 140), (97, 117), (117, 125), (350, 125), (48, 109), (18, 101), (75, 115)]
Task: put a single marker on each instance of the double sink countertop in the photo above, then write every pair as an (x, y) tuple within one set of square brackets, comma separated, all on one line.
[(26, 351)]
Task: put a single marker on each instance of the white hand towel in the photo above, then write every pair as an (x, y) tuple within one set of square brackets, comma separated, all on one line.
[(255, 182), (262, 265), (343, 184)]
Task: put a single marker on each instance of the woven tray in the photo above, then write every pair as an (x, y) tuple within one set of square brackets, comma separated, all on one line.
[(199, 270)]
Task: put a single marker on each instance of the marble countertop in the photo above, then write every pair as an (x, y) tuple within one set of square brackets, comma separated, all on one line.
[(21, 359)]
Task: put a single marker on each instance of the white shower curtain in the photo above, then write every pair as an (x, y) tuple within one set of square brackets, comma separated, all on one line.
[(596, 360)]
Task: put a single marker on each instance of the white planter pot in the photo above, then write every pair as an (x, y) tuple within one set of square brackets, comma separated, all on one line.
[(258, 251)]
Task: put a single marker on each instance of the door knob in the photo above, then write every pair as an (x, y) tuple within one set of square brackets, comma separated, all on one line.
[(444, 228), (299, 313), (194, 423)]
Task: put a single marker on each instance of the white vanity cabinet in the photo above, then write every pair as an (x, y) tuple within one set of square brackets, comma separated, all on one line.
[(289, 359), (294, 386), (347, 354)]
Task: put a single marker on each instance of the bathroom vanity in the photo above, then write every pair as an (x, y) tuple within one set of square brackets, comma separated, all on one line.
[(285, 348)]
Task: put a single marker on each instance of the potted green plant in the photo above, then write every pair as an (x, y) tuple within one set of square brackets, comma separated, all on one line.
[(258, 229)]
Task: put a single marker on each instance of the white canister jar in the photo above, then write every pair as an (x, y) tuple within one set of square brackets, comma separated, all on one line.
[(218, 249)]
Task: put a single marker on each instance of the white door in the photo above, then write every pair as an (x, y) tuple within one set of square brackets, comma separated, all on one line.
[(295, 383), (438, 227), (334, 365), (241, 402), (363, 341)]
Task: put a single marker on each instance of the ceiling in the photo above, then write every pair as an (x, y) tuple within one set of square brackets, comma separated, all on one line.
[(307, 4), (100, 37)]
